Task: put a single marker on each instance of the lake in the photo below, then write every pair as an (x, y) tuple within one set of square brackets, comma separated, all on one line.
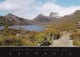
[(26, 27)]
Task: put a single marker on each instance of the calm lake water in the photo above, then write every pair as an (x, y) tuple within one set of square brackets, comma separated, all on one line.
[(26, 27)]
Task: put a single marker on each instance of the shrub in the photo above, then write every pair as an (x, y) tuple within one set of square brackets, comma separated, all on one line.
[(14, 41), (76, 38)]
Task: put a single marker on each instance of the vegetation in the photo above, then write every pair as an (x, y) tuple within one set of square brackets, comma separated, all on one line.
[(13, 37), (66, 26), (76, 38)]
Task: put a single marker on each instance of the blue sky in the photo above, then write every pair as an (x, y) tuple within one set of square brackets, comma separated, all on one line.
[(2, 0), (63, 2), (31, 8), (69, 2)]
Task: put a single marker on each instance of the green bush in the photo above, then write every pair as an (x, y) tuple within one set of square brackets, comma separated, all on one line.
[(14, 41), (76, 38)]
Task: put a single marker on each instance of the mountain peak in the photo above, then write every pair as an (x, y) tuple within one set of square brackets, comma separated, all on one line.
[(10, 15), (40, 15), (77, 12), (53, 14), (41, 18)]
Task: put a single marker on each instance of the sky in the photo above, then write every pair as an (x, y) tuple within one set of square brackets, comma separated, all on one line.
[(29, 9)]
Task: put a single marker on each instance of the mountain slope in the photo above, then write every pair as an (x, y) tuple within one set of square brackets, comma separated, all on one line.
[(44, 19), (72, 18), (11, 19), (41, 18)]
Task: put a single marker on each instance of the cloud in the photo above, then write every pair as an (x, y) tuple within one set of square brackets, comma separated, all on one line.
[(52, 7), (31, 8), (8, 6), (25, 9)]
